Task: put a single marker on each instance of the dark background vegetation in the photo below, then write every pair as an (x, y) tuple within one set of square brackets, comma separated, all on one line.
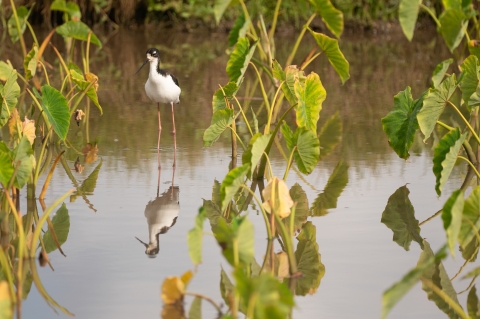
[(192, 14)]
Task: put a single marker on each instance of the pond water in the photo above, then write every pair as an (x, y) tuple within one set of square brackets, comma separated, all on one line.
[(107, 274)]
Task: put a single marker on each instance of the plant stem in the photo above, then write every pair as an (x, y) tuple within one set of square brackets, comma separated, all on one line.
[(445, 126), (466, 122), (455, 306), (271, 32), (432, 14), (431, 217), (238, 137), (19, 30), (471, 165), (289, 163), (270, 114), (262, 88), (265, 217), (207, 299), (288, 244), (300, 37)]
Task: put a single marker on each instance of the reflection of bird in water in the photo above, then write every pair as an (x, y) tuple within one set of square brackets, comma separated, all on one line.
[(161, 214)]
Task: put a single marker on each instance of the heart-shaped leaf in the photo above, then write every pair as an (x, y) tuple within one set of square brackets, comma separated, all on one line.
[(239, 30), (440, 71), (61, 226), (445, 156), (78, 30), (225, 93), (453, 25), (471, 78), (334, 55), (332, 17), (9, 96), (231, 184), (407, 15), (220, 121), (401, 123), (310, 95), (239, 60), (55, 106)]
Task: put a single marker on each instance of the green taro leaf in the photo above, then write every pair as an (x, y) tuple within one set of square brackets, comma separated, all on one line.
[(30, 62), (452, 218), (227, 289), (23, 14), (55, 106), (239, 60), (308, 261), (310, 95), (399, 216), (23, 154), (473, 304), (471, 77), (6, 69), (226, 92), (401, 123), (436, 273), (238, 235), (434, 103), (239, 30), (440, 71), (231, 184), (302, 211), (195, 238), (307, 150), (195, 311), (453, 25), (264, 296), (83, 85), (212, 212), (471, 212), (393, 294), (332, 17), (330, 135), (334, 55), (407, 15), (220, 121), (9, 95), (219, 9), (445, 156), (334, 188), (61, 225), (78, 30), (6, 164), (69, 7), (256, 148), (292, 76)]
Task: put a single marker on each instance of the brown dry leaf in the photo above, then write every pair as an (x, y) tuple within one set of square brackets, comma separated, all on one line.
[(78, 167), (277, 196), (90, 152), (28, 129), (172, 290), (282, 269), (92, 78), (78, 116)]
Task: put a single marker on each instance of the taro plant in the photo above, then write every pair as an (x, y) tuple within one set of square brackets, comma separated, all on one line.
[(38, 117), (447, 112), (257, 292)]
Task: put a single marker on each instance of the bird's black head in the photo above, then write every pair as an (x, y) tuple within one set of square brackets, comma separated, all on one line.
[(153, 52)]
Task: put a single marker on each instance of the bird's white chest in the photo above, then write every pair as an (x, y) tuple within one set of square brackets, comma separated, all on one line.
[(160, 88)]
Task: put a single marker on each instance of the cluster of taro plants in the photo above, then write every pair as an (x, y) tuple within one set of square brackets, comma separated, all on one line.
[(266, 290), (38, 109), (447, 112)]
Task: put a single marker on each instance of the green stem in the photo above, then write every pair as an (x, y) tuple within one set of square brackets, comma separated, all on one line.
[(243, 115), (32, 32), (300, 37), (19, 30), (270, 114), (289, 163), (238, 137), (271, 32), (445, 126), (432, 14), (471, 165), (262, 88), (466, 122), (288, 244), (39, 161), (207, 299)]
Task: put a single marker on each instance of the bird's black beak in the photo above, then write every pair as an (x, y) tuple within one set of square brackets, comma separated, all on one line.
[(146, 61), (146, 245)]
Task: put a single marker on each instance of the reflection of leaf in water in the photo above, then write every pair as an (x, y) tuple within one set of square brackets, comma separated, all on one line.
[(173, 288), (227, 289), (88, 185), (437, 275), (195, 311), (334, 188), (61, 225), (174, 311), (308, 261), (472, 304), (239, 235), (90, 152), (330, 135), (471, 212), (301, 209), (5, 300), (399, 216)]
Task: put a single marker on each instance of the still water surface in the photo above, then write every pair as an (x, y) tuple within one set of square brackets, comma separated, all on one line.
[(107, 274)]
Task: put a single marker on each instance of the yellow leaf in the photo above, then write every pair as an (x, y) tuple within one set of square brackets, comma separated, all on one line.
[(92, 78), (5, 301), (28, 129), (277, 197), (186, 277), (282, 268), (13, 124), (172, 290)]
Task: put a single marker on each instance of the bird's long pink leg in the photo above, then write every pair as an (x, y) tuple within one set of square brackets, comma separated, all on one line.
[(174, 138), (159, 132)]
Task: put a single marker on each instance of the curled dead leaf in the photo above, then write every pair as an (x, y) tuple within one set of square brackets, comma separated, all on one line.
[(78, 116), (17, 128), (92, 78), (277, 197), (77, 166), (172, 290), (28, 129)]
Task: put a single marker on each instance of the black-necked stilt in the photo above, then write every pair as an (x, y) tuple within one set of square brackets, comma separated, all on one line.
[(161, 87)]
